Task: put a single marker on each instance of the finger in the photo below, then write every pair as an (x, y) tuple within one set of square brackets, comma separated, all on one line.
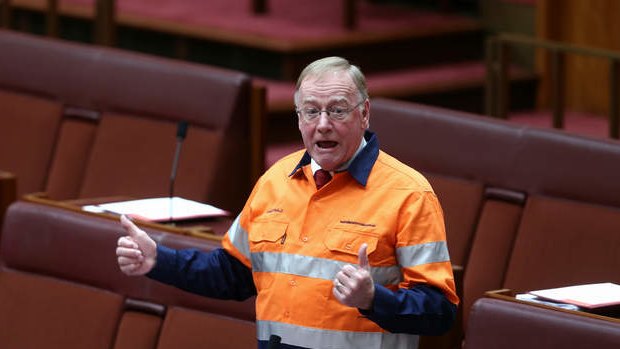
[(127, 242), (124, 261), (363, 257), (130, 227), (339, 288), (337, 294), (347, 271), (129, 268), (128, 252)]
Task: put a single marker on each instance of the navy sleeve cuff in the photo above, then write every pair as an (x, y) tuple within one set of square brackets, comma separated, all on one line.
[(421, 310), (384, 303), (165, 265)]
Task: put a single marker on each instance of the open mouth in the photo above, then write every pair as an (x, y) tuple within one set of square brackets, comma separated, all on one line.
[(326, 144)]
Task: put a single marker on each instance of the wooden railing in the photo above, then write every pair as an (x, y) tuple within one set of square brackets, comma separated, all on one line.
[(498, 52)]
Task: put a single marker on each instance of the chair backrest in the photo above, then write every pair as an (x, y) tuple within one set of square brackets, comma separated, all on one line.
[(39, 311), (564, 242), (502, 324), (79, 248), (525, 208), (28, 128), (88, 121), (60, 286), (187, 328)]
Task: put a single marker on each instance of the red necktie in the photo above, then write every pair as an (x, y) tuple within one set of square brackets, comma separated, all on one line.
[(321, 177)]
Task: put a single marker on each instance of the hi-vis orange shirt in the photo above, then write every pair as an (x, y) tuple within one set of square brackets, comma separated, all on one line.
[(295, 239)]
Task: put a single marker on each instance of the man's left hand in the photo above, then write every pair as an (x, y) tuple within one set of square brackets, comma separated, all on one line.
[(353, 285)]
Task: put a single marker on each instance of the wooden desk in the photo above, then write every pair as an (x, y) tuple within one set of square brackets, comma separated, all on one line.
[(210, 229), (510, 296)]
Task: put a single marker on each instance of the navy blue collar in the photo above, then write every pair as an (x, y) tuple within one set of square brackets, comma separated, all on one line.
[(361, 165)]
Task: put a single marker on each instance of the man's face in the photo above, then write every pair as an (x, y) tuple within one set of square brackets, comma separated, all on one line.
[(331, 143)]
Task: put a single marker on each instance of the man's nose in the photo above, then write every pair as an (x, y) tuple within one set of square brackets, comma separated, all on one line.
[(324, 119)]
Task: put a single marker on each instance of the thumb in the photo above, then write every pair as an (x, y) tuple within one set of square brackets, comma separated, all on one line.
[(363, 257), (131, 228)]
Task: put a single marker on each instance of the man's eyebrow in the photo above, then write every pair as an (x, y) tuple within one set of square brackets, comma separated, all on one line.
[(331, 100)]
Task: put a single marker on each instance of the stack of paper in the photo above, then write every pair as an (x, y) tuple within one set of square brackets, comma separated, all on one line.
[(588, 296), (160, 209)]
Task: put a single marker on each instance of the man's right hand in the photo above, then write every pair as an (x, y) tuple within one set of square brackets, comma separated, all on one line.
[(136, 252)]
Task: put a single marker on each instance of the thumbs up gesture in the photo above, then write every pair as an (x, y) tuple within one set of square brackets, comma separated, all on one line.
[(353, 285), (136, 252)]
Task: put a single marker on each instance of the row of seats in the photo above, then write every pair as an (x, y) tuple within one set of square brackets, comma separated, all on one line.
[(79, 121), (502, 323), (525, 208), (60, 287)]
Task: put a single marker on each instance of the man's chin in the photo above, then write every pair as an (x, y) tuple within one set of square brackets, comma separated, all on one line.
[(327, 164)]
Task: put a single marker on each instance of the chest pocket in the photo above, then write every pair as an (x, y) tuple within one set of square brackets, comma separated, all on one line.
[(268, 229), (341, 240)]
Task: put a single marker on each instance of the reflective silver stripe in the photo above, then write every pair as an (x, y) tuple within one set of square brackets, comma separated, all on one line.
[(239, 237), (430, 252), (313, 267), (319, 338)]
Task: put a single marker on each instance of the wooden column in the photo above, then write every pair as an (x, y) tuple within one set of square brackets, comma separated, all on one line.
[(5, 13), (558, 82), (259, 6), (503, 83), (350, 14), (51, 19), (258, 120), (614, 99), (490, 87), (105, 26)]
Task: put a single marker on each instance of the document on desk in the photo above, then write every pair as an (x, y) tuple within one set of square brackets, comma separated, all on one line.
[(589, 296), (160, 209)]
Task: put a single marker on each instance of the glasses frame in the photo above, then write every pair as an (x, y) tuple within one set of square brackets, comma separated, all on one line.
[(345, 113)]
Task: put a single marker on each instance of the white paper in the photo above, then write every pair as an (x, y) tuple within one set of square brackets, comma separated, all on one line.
[(528, 297), (160, 209), (587, 296)]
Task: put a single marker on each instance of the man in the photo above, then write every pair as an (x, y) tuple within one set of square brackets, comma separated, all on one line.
[(359, 262)]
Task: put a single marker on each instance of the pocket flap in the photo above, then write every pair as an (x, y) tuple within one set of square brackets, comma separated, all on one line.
[(349, 242), (268, 231)]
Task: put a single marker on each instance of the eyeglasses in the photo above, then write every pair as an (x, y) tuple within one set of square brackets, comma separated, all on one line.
[(335, 113)]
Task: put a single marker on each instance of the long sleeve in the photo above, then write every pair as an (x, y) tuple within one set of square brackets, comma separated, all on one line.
[(425, 301), (421, 310), (214, 274)]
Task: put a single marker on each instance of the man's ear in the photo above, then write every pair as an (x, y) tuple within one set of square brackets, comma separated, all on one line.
[(366, 113)]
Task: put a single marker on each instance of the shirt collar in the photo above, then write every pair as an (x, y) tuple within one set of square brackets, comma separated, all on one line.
[(360, 164), (314, 166)]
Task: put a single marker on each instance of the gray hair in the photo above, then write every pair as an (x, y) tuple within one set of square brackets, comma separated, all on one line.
[(329, 64)]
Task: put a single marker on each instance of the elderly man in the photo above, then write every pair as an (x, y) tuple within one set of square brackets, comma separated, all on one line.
[(343, 245)]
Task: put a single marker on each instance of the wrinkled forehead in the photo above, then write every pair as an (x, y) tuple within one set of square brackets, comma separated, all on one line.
[(332, 85)]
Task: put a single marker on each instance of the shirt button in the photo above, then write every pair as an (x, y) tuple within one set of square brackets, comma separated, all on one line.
[(304, 239), (293, 282)]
